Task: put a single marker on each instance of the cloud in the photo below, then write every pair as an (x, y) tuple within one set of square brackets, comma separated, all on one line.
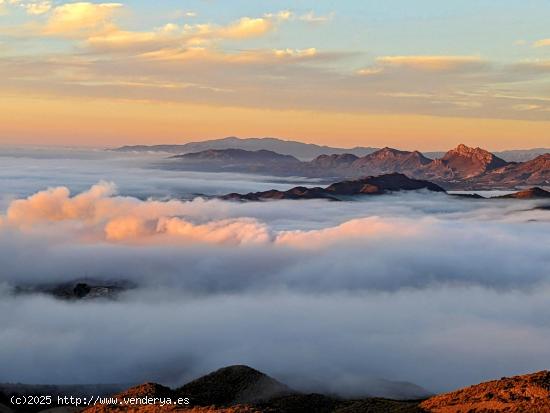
[(280, 16), (203, 55), (405, 287), (431, 63), (542, 43), (424, 283), (370, 71), (182, 37), (55, 204), (81, 19), (534, 66), (128, 41), (310, 52), (96, 213), (355, 229), (208, 63), (247, 27), (38, 8), (311, 17)]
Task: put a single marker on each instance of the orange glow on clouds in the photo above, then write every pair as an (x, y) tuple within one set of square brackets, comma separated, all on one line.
[(98, 215)]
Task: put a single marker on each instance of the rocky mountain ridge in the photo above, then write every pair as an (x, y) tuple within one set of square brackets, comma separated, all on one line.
[(460, 168), (300, 150)]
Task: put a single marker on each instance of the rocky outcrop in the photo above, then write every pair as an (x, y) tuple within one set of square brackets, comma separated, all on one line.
[(372, 185), (78, 290)]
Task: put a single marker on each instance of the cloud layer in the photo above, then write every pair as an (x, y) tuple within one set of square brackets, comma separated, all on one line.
[(419, 287)]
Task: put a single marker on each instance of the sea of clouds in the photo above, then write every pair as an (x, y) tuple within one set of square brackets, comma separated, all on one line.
[(421, 287)]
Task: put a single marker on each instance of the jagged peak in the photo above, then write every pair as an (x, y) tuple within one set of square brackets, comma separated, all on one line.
[(478, 154), (468, 150)]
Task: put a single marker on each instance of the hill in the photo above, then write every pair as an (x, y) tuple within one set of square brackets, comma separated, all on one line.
[(242, 389)]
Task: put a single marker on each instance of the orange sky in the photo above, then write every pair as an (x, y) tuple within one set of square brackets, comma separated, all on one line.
[(103, 122), (106, 74)]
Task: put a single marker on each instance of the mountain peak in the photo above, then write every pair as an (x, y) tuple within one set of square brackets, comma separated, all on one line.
[(392, 151), (147, 389), (234, 384), (466, 162), (464, 150)]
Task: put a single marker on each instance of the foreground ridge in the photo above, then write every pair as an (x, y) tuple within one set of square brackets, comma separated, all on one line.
[(242, 389), (527, 393)]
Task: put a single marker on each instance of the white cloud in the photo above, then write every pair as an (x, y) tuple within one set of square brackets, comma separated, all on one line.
[(407, 276), (310, 52), (431, 63), (81, 19), (39, 7), (311, 17)]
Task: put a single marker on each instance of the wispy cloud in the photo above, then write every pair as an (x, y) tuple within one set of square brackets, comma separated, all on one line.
[(311, 17), (37, 8), (431, 63), (542, 43)]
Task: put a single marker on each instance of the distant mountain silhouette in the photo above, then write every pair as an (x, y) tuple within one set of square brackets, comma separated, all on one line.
[(237, 155), (304, 151), (521, 155), (300, 150), (238, 160)]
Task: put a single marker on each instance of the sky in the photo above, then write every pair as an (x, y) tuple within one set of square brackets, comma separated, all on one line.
[(421, 74)]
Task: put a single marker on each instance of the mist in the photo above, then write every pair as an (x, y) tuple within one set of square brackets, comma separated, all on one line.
[(421, 287)]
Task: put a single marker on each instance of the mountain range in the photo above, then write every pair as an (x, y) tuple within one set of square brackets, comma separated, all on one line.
[(242, 389), (460, 168), (300, 150)]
